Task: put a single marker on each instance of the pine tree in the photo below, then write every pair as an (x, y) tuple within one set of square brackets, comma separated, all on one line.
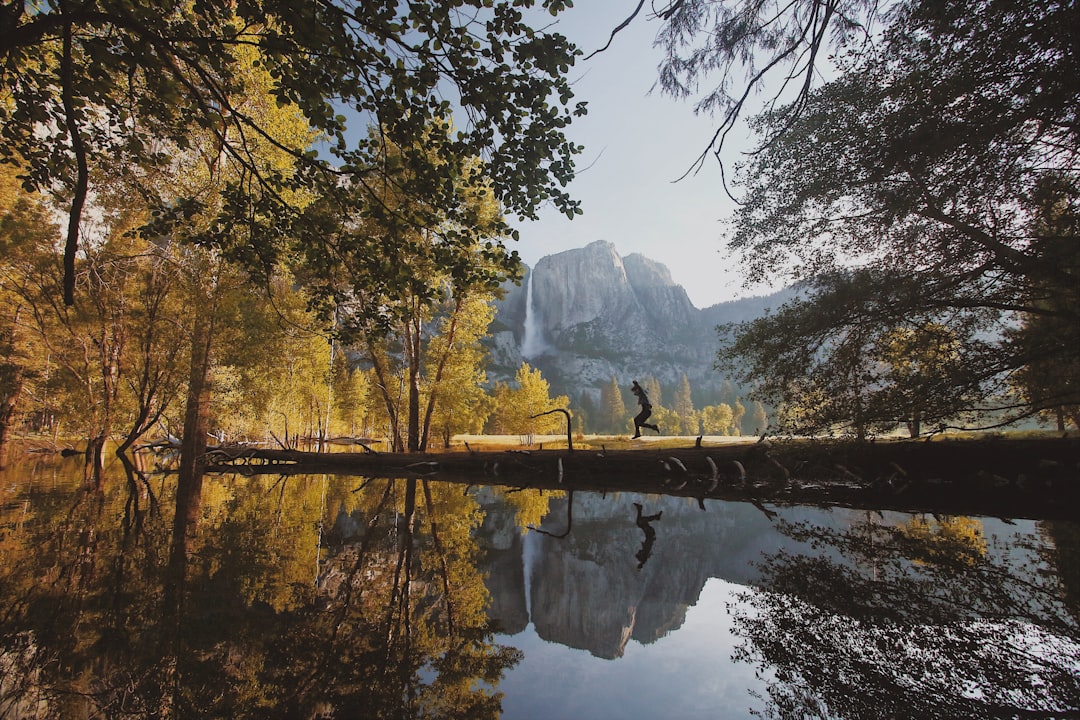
[(738, 412), (683, 407), (759, 421), (613, 407)]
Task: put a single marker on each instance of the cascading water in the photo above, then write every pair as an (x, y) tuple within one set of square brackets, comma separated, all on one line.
[(532, 342)]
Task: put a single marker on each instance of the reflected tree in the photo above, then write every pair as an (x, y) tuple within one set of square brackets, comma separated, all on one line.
[(394, 624), (925, 619), (402, 630)]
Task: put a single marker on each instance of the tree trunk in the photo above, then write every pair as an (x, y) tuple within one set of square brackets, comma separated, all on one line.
[(915, 424), (7, 415), (414, 408), (192, 458), (435, 383), (388, 401), (412, 344), (193, 443), (95, 460)]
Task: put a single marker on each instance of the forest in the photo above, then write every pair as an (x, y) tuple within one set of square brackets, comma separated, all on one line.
[(267, 222)]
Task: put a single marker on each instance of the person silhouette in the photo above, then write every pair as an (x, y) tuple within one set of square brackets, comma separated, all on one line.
[(646, 411), (644, 522)]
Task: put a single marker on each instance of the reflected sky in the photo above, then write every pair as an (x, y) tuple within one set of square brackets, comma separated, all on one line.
[(687, 674)]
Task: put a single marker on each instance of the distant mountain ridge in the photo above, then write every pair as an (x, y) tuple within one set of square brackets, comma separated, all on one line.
[(585, 315)]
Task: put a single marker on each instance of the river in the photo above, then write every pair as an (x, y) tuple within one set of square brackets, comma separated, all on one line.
[(330, 596)]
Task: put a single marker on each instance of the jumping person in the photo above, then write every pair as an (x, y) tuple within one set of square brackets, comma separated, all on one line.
[(646, 411)]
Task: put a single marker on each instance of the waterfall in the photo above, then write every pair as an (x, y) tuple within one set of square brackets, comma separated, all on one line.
[(532, 343), (529, 551)]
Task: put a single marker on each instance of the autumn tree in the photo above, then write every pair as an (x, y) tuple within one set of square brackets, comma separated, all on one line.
[(455, 398), (716, 419), (899, 168), (111, 372), (530, 395), (919, 363), (400, 262), (24, 227), (94, 84), (287, 386), (351, 386)]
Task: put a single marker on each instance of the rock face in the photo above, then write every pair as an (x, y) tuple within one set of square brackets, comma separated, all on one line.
[(583, 316), (597, 589)]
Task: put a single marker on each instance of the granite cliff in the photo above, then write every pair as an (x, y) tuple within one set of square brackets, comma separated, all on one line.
[(583, 316)]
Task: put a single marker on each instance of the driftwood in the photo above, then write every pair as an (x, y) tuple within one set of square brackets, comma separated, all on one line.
[(569, 434), (997, 477)]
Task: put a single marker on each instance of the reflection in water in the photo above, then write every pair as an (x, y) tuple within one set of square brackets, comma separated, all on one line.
[(394, 626), (915, 619), (645, 523), (338, 597)]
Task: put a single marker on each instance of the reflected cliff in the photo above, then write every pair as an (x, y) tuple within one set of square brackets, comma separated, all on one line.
[(591, 589)]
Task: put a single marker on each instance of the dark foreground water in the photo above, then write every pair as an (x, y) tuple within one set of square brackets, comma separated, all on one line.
[(342, 597)]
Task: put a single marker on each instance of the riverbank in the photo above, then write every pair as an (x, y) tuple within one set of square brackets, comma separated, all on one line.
[(1023, 476)]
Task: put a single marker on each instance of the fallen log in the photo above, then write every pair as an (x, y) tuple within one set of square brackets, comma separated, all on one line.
[(1037, 479)]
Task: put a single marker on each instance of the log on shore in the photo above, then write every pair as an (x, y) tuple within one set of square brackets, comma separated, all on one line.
[(999, 477)]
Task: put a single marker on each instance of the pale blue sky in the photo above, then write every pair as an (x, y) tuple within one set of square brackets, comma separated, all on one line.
[(636, 145)]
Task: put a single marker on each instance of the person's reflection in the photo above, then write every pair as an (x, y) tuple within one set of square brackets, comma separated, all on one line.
[(643, 522)]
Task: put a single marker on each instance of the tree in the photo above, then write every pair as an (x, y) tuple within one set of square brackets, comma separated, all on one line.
[(456, 401), (738, 412), (399, 260), (351, 386), (689, 423), (759, 420), (24, 226), (287, 387), (1050, 378), (773, 46), (716, 419), (516, 406), (612, 407), (837, 362), (900, 167), (94, 84), (919, 361), (88, 342)]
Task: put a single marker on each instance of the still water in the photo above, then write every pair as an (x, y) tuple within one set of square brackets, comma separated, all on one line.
[(344, 597)]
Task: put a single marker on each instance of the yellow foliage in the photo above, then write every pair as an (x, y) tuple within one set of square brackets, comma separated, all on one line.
[(949, 539)]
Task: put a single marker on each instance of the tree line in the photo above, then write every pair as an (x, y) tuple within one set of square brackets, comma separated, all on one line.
[(720, 412)]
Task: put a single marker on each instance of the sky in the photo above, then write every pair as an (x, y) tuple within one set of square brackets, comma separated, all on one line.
[(637, 144)]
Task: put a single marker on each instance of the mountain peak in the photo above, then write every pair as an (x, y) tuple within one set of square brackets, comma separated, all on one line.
[(594, 315)]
